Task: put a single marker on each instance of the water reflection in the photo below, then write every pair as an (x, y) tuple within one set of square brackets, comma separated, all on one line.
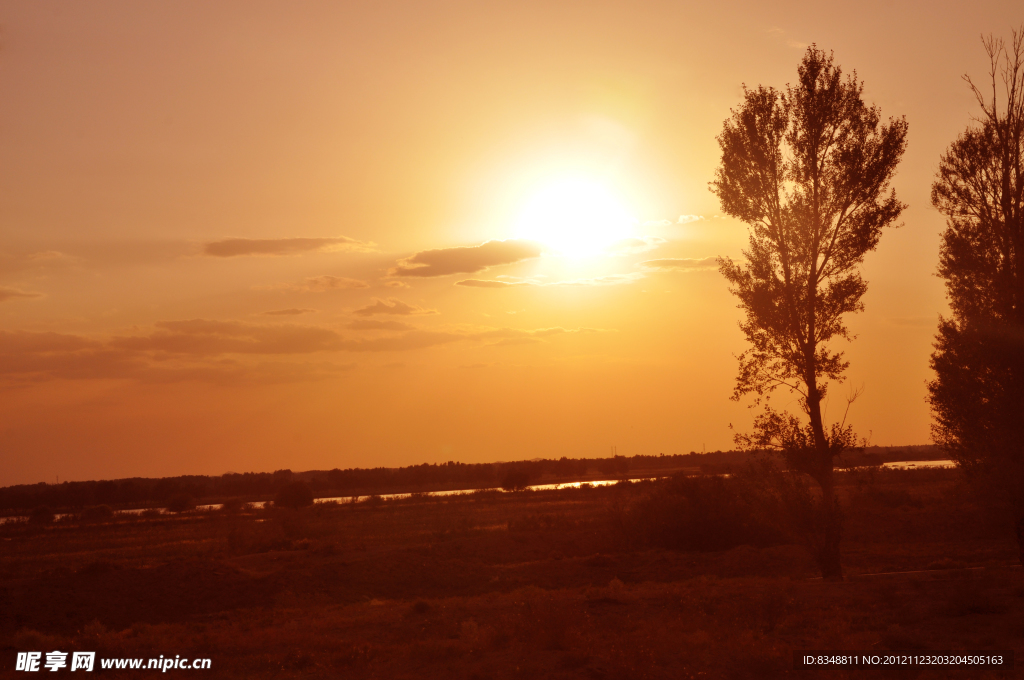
[(358, 499), (918, 464), (896, 465)]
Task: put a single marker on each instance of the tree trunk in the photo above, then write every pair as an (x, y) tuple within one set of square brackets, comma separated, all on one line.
[(828, 555), (829, 558)]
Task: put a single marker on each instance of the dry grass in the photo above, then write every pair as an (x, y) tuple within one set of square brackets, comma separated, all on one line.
[(519, 585)]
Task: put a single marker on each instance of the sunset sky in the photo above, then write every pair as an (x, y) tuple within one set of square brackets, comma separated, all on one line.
[(244, 236)]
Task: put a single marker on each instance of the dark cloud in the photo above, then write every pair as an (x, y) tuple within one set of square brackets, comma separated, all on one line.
[(466, 260), (374, 325), (681, 264), (234, 247), (392, 306), (293, 311), (13, 293)]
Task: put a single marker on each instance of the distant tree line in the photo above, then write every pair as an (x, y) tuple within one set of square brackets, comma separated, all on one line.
[(264, 485), (138, 491)]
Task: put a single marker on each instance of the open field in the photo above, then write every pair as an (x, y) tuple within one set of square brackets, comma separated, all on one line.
[(522, 585)]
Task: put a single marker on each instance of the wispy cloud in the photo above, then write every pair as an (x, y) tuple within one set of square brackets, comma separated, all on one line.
[(633, 246), (607, 280), (13, 294), (466, 260), (512, 342), (234, 247), (505, 337), (402, 343), (681, 264), (225, 351), (292, 311), (392, 306), (16, 263), (206, 337), (36, 357), (480, 283), (376, 325), (686, 219), (322, 284)]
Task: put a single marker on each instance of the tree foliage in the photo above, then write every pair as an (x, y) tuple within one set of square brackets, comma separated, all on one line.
[(977, 396), (294, 495), (808, 168)]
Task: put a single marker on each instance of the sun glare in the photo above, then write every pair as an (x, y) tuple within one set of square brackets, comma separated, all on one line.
[(575, 217)]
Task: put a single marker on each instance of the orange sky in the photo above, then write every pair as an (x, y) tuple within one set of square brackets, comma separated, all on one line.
[(249, 235)]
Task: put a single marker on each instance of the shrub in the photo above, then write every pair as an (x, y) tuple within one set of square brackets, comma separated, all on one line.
[(97, 513), (41, 515), (515, 480), (697, 513), (294, 495), (180, 503), (372, 501), (235, 505)]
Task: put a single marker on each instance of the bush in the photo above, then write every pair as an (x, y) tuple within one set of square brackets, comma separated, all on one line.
[(294, 495), (41, 515), (515, 480), (372, 501), (235, 505), (697, 513), (180, 503), (97, 513)]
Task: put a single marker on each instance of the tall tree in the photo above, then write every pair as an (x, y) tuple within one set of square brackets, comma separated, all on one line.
[(977, 396), (808, 169)]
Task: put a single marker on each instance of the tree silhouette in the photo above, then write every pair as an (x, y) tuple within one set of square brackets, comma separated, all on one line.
[(808, 170), (977, 396), (294, 495)]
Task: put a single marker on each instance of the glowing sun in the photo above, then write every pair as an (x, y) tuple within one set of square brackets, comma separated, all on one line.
[(575, 216)]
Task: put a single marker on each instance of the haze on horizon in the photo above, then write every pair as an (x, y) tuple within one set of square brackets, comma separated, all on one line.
[(252, 236)]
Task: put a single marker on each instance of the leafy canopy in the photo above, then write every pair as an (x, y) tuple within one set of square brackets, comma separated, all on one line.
[(808, 169), (978, 394)]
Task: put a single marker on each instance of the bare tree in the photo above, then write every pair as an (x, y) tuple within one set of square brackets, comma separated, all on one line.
[(808, 169), (977, 396)]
